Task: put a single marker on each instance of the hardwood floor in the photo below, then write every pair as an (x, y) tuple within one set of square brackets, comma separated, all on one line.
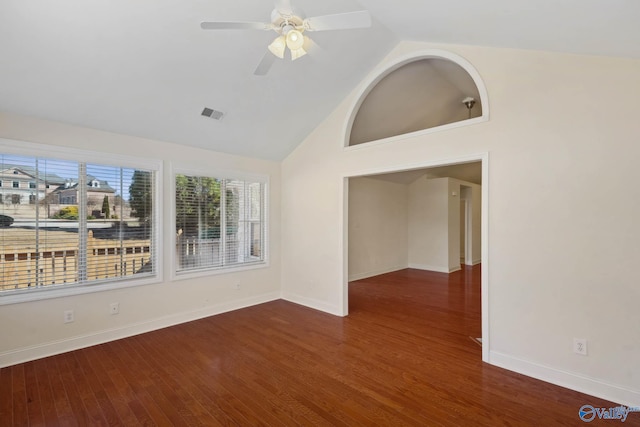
[(404, 356)]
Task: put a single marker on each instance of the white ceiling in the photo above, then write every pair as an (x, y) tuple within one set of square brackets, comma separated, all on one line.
[(145, 67)]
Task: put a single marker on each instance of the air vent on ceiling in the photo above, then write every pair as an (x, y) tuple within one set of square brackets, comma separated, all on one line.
[(211, 113)]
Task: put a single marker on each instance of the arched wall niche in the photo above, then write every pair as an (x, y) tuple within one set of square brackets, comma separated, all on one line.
[(418, 93)]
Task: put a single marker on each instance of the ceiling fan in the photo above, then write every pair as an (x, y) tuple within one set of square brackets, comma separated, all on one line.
[(291, 27)]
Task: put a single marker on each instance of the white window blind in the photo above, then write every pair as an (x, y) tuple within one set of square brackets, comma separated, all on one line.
[(60, 231), (220, 223)]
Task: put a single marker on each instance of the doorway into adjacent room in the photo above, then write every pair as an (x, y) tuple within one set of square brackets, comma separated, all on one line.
[(417, 235)]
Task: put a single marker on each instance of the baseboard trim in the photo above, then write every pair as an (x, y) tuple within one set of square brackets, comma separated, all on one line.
[(312, 303), (437, 269), (27, 354), (571, 380), (360, 276)]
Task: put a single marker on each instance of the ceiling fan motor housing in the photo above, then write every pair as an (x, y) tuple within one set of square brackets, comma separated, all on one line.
[(280, 21)]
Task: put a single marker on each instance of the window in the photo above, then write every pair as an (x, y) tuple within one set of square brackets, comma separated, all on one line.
[(16, 184), (32, 185), (220, 222), (52, 247)]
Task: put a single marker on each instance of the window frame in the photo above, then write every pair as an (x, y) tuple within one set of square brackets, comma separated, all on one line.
[(217, 173), (22, 148)]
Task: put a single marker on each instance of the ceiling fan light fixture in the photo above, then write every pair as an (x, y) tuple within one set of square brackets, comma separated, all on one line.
[(297, 53), (295, 40), (278, 46)]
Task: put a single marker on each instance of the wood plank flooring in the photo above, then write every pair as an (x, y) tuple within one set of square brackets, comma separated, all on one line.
[(404, 356)]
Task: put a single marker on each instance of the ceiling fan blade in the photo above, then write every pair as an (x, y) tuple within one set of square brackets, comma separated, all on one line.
[(340, 21), (311, 46), (235, 26), (265, 64)]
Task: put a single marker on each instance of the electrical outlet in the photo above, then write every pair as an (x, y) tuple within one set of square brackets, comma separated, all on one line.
[(580, 346), (68, 316), (114, 308)]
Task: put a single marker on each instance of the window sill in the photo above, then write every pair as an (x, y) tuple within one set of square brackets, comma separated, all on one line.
[(191, 274)]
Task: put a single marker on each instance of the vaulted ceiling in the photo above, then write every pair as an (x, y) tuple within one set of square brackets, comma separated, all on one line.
[(145, 67)]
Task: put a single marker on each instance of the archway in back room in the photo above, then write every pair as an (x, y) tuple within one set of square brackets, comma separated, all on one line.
[(422, 93), (473, 87)]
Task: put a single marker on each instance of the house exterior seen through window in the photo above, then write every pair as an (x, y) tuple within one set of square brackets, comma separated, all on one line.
[(63, 231)]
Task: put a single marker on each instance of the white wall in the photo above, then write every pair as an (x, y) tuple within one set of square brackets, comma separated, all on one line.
[(429, 224), (434, 223), (453, 225), (417, 225), (377, 227), (563, 222), (465, 198), (476, 224), (35, 329), (472, 193)]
